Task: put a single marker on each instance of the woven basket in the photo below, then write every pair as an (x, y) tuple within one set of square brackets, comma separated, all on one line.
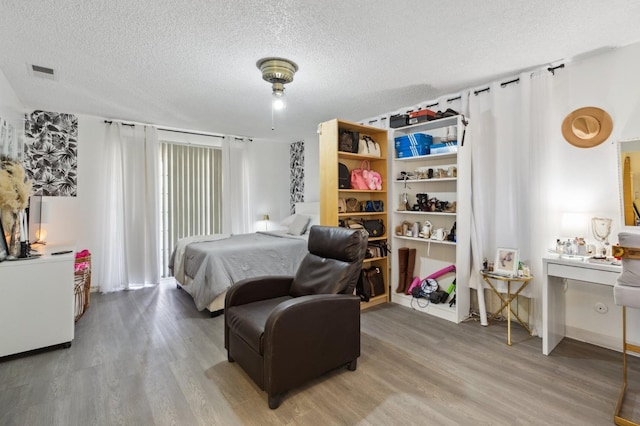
[(82, 285)]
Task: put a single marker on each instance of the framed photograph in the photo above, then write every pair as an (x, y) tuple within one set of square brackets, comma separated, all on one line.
[(506, 261), (4, 249)]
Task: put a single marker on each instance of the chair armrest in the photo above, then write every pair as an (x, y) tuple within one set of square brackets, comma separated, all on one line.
[(313, 311), (308, 335), (255, 289)]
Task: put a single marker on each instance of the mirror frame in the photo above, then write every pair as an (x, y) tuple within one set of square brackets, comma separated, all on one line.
[(634, 146)]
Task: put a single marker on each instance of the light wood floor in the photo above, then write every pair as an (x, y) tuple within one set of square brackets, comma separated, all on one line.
[(148, 357)]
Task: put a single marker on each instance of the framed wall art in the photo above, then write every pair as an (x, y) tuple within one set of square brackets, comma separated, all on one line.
[(506, 261)]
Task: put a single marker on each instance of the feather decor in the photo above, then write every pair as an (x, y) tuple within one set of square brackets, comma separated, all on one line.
[(15, 190)]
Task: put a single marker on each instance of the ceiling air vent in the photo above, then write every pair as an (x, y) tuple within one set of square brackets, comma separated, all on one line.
[(43, 72)]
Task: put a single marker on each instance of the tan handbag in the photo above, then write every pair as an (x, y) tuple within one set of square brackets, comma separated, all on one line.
[(342, 205), (353, 205)]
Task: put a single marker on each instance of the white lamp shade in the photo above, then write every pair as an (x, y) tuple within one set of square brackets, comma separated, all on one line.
[(574, 225)]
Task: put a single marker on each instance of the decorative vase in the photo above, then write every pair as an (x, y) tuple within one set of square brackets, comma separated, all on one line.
[(14, 237)]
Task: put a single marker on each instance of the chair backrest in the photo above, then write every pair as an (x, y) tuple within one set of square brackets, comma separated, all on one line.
[(333, 263)]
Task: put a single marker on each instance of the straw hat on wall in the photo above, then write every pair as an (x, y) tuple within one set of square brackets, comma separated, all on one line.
[(587, 127)]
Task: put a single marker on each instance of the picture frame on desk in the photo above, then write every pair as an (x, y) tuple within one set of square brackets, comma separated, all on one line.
[(506, 261), (4, 248)]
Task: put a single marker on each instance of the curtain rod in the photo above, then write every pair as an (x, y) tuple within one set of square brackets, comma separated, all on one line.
[(506, 83), (124, 124), (189, 133), (165, 129), (552, 70), (516, 80)]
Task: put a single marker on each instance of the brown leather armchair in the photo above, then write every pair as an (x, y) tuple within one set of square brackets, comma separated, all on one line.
[(284, 331)]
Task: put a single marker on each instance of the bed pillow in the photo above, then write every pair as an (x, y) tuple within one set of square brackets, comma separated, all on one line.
[(287, 221), (299, 225)]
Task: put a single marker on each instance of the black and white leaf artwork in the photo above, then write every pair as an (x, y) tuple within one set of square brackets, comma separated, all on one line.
[(51, 153)]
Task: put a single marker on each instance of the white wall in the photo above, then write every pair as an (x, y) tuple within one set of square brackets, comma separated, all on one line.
[(11, 109), (312, 167), (269, 181), (77, 219), (587, 181)]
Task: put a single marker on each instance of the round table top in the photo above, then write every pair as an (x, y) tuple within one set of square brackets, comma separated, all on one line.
[(502, 277)]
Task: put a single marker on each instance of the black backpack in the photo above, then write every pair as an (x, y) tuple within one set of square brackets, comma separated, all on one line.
[(344, 177)]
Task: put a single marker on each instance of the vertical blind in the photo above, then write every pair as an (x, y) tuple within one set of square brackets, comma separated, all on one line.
[(190, 194)]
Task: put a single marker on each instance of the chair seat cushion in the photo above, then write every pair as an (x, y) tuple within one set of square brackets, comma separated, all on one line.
[(625, 295), (248, 321), (630, 267)]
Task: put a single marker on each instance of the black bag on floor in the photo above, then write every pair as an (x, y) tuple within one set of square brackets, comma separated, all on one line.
[(438, 296), (370, 283)]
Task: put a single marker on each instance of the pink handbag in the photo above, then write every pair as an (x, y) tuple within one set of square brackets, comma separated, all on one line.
[(366, 179), (357, 177)]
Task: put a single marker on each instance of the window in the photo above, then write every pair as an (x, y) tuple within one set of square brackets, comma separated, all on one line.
[(190, 194)]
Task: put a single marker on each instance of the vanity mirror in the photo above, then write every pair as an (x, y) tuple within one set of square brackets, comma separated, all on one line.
[(629, 172)]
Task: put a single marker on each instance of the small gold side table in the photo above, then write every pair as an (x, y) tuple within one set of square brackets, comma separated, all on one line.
[(487, 276)]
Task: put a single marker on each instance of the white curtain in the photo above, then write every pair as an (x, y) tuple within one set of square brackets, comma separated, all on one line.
[(131, 211), (508, 154), (236, 208)]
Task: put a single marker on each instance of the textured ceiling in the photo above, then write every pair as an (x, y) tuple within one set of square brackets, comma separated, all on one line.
[(191, 65)]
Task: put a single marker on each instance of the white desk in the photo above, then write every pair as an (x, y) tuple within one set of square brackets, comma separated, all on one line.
[(553, 292)]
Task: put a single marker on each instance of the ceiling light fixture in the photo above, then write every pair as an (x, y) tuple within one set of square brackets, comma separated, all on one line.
[(278, 72)]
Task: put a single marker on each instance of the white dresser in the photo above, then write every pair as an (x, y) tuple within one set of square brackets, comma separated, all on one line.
[(36, 303)]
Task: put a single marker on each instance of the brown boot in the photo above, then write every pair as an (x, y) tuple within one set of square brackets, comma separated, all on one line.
[(411, 263), (403, 254)]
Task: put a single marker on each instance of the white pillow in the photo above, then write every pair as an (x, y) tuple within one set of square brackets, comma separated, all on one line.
[(287, 221), (299, 224)]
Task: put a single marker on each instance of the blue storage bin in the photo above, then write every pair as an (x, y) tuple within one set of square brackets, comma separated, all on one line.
[(414, 139), (412, 151), (443, 148)]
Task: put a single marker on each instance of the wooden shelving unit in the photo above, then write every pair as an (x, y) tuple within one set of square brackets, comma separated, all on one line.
[(330, 193)]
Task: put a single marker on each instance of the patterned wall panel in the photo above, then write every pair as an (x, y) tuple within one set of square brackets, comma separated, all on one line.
[(51, 153), (296, 173)]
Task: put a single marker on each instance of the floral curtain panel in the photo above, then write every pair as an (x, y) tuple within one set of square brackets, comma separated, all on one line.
[(51, 153)]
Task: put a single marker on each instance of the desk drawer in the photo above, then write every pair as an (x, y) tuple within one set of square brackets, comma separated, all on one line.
[(581, 273)]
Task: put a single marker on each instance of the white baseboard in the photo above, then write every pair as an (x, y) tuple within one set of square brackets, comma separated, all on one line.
[(598, 339)]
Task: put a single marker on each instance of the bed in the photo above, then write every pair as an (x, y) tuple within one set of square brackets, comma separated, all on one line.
[(206, 266)]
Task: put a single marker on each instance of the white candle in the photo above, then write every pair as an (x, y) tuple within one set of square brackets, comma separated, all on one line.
[(22, 230), (26, 226)]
